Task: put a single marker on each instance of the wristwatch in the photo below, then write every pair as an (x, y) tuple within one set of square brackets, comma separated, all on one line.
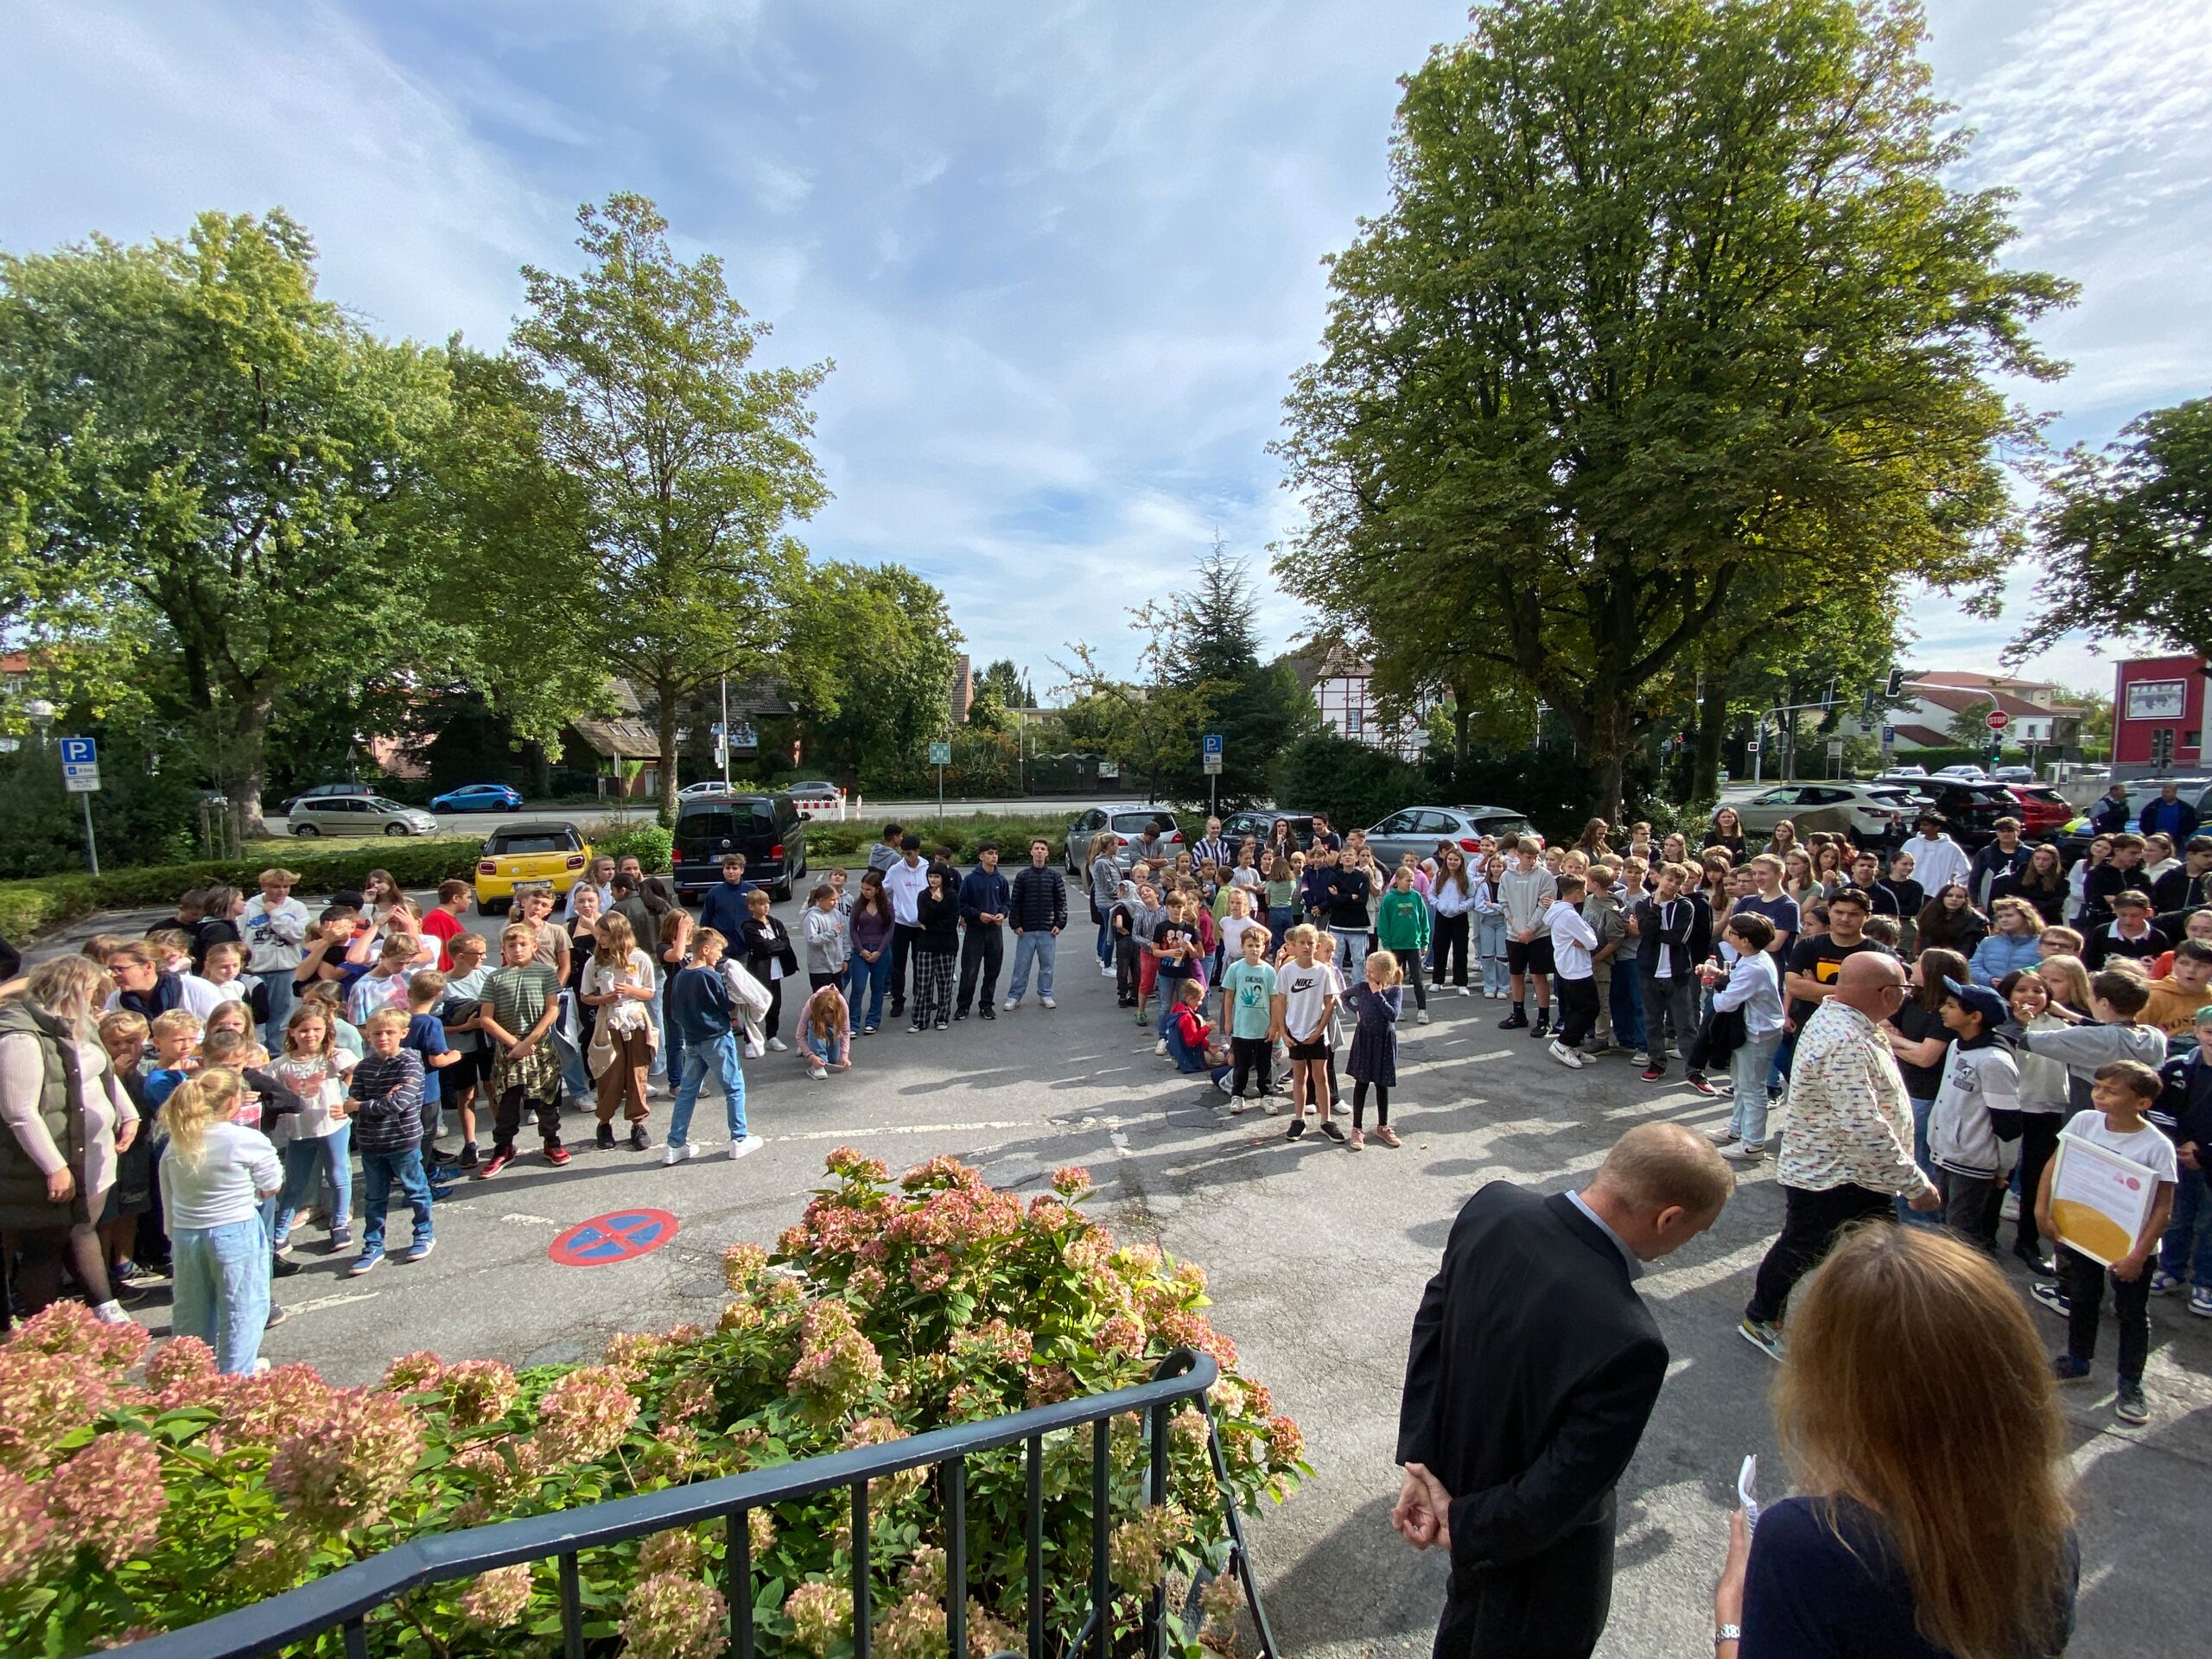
[(1727, 1633)]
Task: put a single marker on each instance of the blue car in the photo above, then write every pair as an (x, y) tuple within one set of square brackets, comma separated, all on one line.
[(479, 798)]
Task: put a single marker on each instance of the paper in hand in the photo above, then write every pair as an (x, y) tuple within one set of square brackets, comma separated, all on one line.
[(1746, 1480)]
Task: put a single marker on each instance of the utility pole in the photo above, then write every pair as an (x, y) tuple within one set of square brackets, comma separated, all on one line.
[(724, 743)]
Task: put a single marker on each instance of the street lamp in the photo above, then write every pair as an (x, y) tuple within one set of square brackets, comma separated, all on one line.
[(42, 713)]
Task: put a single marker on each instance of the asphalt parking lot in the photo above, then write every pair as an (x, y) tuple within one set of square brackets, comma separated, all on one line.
[(1317, 1257)]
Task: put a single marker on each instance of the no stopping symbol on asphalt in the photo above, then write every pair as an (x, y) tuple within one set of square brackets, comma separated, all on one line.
[(619, 1236)]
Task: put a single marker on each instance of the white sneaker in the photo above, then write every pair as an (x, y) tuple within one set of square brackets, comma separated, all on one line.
[(2010, 1209), (1639, 1058), (1464, 991), (678, 1155), (1047, 1002), (747, 1147), (818, 1073), (1159, 1047), (1744, 1152), (1105, 970), (1566, 1056), (1421, 1016), (779, 1044), (1011, 1004)]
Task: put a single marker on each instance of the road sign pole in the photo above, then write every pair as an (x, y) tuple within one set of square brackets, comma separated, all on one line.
[(940, 794), (91, 845)]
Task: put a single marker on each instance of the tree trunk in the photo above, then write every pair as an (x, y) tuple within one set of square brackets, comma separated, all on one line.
[(1711, 729), (253, 761), (1462, 721), (664, 729)]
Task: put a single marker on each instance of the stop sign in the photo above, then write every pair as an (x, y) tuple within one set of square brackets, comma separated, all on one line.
[(1999, 720)]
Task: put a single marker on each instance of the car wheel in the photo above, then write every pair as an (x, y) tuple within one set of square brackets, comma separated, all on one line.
[(305, 829), (781, 892), (494, 906), (397, 830)]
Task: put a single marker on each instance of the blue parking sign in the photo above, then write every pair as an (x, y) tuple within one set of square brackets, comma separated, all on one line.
[(78, 751), (1213, 743)]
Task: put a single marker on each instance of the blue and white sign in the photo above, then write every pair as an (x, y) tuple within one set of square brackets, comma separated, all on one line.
[(1889, 735), (1213, 743), (80, 752)]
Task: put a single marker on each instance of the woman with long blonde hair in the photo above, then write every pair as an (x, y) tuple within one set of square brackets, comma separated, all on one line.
[(214, 1176), (1921, 1420)]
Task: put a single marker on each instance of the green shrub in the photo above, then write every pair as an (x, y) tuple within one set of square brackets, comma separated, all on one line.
[(653, 846), (897, 1309), (27, 908), (829, 840)]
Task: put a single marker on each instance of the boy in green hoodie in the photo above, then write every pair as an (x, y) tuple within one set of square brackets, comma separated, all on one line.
[(1401, 927), (1608, 919)]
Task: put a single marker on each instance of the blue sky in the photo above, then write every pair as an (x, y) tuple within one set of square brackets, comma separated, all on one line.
[(1066, 257)]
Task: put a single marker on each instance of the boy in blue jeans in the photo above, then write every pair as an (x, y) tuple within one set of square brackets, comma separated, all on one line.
[(2183, 1114), (386, 1091), (699, 1006)]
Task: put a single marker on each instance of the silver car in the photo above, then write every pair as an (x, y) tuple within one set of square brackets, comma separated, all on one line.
[(1418, 829), (1873, 812), (1126, 819), (358, 815)]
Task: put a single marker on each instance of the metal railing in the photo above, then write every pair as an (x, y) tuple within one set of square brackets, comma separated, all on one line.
[(344, 1600)]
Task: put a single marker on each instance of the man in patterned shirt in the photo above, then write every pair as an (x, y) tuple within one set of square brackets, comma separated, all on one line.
[(1846, 1147)]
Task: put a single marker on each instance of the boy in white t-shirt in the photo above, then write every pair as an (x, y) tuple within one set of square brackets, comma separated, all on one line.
[(1308, 991), (2120, 1092)]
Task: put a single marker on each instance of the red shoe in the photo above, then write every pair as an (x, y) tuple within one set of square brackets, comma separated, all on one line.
[(556, 1156), (498, 1161)]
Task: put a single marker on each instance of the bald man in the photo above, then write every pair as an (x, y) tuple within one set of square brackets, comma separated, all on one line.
[(1534, 1368), (1846, 1150)]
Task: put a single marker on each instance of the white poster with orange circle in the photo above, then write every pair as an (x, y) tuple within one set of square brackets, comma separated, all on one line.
[(2099, 1200)]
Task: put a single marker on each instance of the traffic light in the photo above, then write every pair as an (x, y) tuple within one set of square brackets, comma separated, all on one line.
[(1897, 684)]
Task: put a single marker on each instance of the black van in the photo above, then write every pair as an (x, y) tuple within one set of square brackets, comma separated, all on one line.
[(767, 828)]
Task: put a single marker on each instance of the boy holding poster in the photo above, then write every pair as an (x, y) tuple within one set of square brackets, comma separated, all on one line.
[(2121, 1091)]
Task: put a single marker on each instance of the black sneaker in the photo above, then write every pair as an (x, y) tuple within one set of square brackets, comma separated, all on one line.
[(1515, 1020), (987, 1012), (637, 1142), (281, 1268), (898, 1009), (2053, 1297), (2131, 1406), (1297, 1131), (2042, 1266), (1543, 1025), (1655, 1074), (940, 1025), (2067, 1368), (960, 1014), (468, 1154), (605, 1139), (1696, 1081), (1329, 1128)]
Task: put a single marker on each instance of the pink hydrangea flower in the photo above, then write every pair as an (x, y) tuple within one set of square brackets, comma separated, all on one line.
[(585, 1414), (672, 1616), (1071, 1180), (821, 1614), (23, 1527), (479, 1391), (410, 1373), (673, 1551), (43, 1398), (178, 1361), (346, 1470), (742, 1264), (498, 1598), (72, 1328), (1120, 1335), (107, 1499)]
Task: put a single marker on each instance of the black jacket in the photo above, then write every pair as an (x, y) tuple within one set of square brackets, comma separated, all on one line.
[(2178, 890), (2109, 815), (1533, 1368), (1690, 909), (1040, 901), (2184, 1111)]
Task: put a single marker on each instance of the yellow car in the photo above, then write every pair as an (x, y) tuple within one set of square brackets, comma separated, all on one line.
[(552, 851)]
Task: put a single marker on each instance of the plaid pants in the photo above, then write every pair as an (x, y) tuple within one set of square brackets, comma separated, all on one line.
[(932, 988)]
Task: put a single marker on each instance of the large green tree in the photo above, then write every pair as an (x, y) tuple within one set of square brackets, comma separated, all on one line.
[(1672, 308), (206, 464), (691, 460), (870, 664), (2127, 537)]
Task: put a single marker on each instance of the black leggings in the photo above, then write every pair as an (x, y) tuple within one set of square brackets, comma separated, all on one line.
[(1359, 1102), (1447, 949), (42, 1252)]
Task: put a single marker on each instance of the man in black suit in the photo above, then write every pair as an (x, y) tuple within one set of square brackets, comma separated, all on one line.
[(1534, 1366)]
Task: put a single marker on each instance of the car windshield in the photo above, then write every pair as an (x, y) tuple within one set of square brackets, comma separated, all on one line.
[(535, 841), (1132, 823)]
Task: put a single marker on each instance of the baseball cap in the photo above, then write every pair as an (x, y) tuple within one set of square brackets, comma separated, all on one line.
[(1983, 1001)]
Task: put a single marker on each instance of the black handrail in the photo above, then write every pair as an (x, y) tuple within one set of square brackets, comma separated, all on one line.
[(343, 1600)]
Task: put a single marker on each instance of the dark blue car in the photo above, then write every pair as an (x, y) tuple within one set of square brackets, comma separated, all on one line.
[(478, 798)]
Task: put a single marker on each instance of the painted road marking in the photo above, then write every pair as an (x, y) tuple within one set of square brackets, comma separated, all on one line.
[(618, 1236)]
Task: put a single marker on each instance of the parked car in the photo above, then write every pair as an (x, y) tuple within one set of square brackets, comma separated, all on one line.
[(1970, 810), (478, 798), (1964, 770), (2013, 775), (2043, 811), (1258, 826), (1416, 829), (1874, 814), (769, 829), (1901, 773), (358, 815), (326, 791), (551, 850), (1126, 819)]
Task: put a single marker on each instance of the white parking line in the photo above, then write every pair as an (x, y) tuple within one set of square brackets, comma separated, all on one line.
[(910, 1129), (315, 1304), (520, 1220)]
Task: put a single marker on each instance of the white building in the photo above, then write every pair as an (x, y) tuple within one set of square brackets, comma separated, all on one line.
[(1343, 689)]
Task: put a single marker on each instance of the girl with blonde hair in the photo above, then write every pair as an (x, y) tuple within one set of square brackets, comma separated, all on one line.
[(620, 984), (1919, 1415), (214, 1176)]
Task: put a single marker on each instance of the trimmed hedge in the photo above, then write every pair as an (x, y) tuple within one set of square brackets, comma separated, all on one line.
[(828, 838), (29, 908)]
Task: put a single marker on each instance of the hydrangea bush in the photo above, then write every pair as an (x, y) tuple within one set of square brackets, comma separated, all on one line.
[(131, 1506)]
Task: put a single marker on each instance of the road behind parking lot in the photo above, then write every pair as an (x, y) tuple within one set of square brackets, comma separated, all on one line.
[(1317, 1257)]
